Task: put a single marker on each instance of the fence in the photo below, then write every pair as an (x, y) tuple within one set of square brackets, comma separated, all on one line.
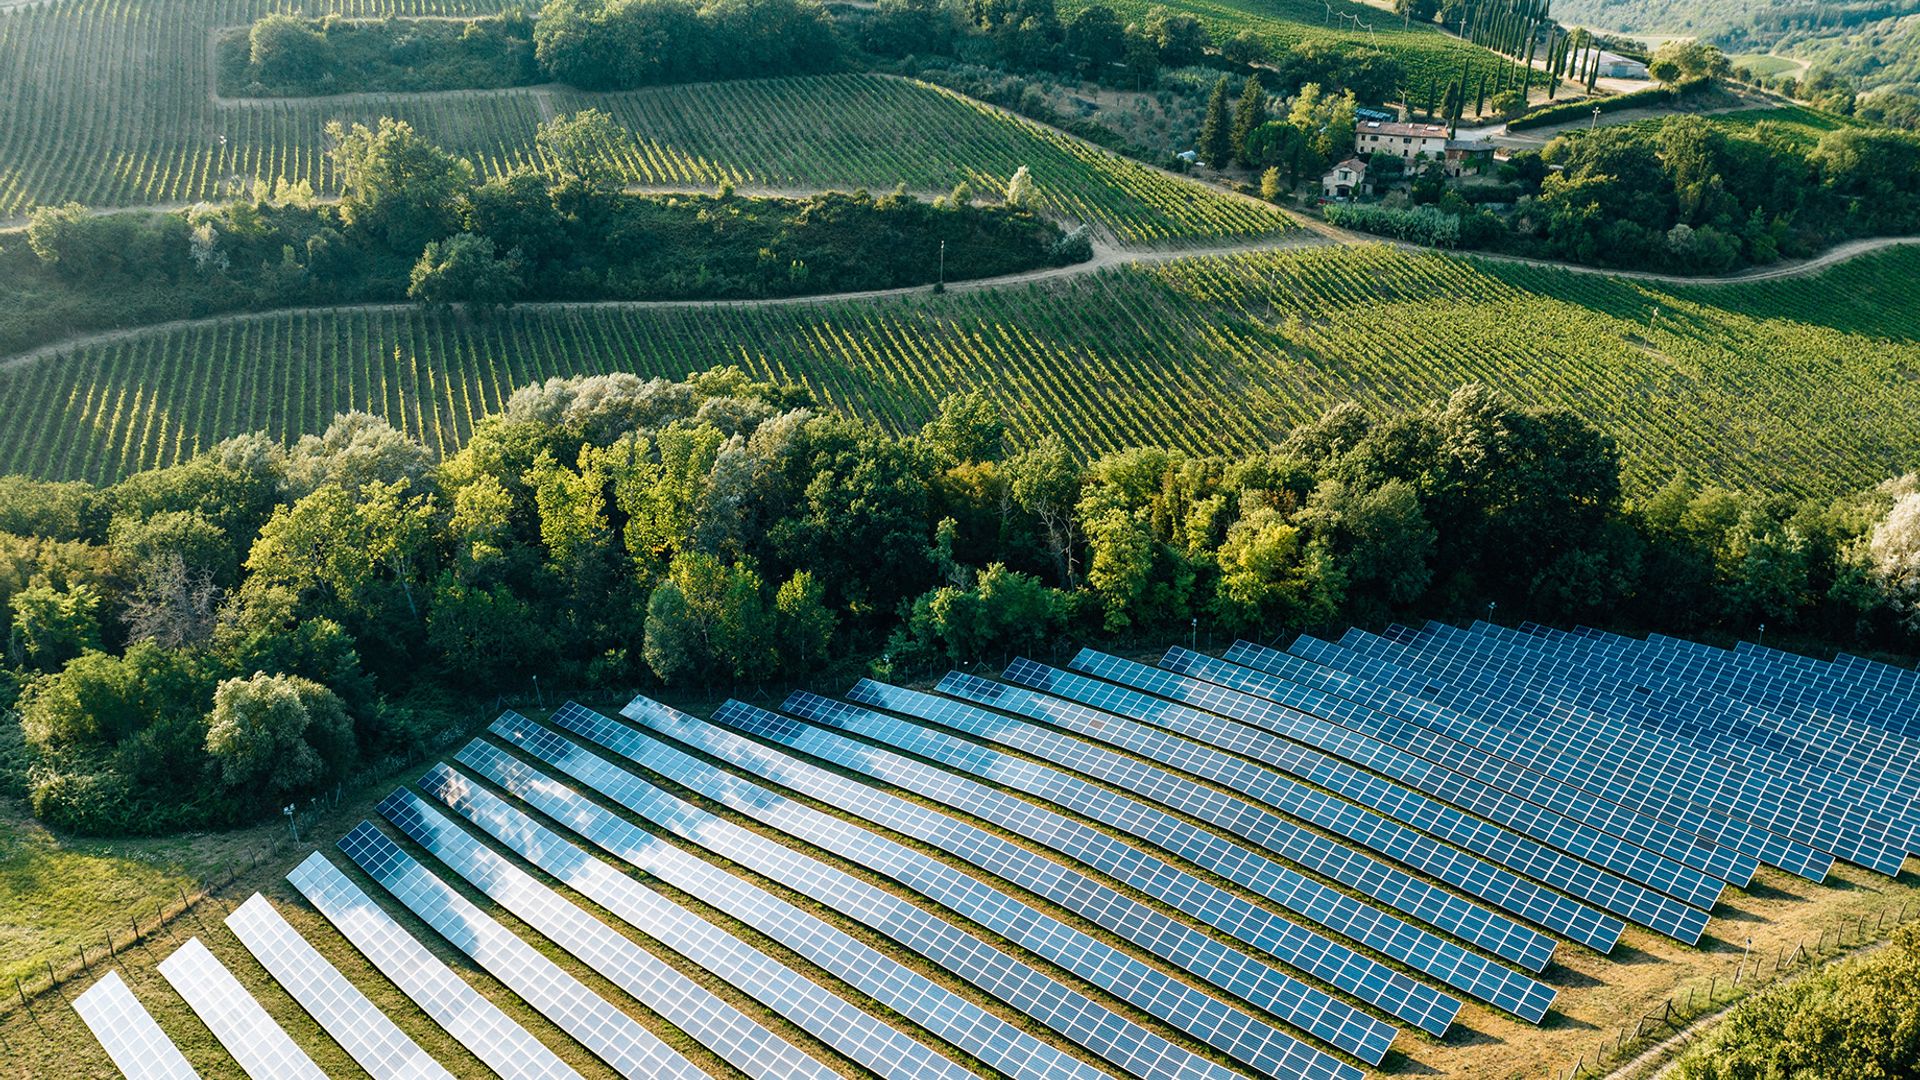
[(1673, 1019)]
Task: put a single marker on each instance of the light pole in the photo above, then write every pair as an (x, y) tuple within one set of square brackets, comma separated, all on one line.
[(1763, 635), (537, 695), (292, 822), (1596, 119), (1490, 606), (943, 266), (1195, 643)]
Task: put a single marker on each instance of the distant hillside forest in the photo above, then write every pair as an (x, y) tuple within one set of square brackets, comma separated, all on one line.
[(199, 645), (1735, 25)]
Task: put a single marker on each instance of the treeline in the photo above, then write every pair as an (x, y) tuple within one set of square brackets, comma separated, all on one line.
[(1095, 43), (414, 221), (1854, 1020), (592, 44), (283, 55), (198, 645), (1692, 196)]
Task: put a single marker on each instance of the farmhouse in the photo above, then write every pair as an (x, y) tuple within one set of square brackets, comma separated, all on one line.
[(1468, 155), (1345, 180), (1407, 140)]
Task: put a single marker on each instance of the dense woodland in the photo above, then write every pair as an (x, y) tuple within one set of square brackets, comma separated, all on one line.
[(200, 644), (413, 222), (1685, 195)]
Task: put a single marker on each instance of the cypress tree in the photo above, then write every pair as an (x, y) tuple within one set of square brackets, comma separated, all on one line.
[(1216, 133), (1248, 115)]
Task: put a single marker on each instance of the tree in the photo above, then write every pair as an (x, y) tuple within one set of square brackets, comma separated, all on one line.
[(514, 210), (1685, 59), (276, 736), (1412, 11), (173, 605), (53, 625), (1143, 59), (1216, 132), (1245, 47), (1046, 484), (288, 51), (710, 620), (1271, 186), (584, 155), (1097, 38), (1893, 558), (1248, 116), (1020, 188), (465, 270), (396, 186), (1181, 39), (804, 624), (1269, 570), (968, 429)]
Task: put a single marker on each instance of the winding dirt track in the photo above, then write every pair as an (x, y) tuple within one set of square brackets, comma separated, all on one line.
[(1105, 257)]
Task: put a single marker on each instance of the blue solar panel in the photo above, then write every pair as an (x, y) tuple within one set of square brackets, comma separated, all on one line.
[(859, 1035), (478, 1024), (1571, 756), (1469, 873), (1811, 818), (613, 1036), (1682, 835), (1467, 777), (1418, 949), (737, 1038), (920, 1000), (1607, 891), (1369, 876), (1236, 972), (1016, 982), (1205, 1016)]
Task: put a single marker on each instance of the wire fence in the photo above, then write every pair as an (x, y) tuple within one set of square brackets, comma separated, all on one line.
[(1673, 1021)]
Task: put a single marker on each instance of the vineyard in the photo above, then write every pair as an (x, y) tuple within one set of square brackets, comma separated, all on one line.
[(1426, 54), (110, 106), (1798, 386)]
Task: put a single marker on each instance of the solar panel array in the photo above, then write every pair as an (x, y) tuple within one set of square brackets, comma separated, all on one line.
[(1252, 865)]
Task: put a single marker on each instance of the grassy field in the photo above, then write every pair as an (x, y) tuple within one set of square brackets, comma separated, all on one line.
[(1800, 123), (1598, 995), (1797, 386), (109, 105)]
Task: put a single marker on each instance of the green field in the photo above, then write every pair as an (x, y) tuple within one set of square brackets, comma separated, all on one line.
[(1797, 386), (109, 105), (1426, 54), (1800, 123)]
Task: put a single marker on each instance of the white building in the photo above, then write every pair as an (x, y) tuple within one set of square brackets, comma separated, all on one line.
[(1345, 180), (1405, 140)]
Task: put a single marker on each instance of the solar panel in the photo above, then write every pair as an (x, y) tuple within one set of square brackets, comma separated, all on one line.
[(478, 1024), (1605, 890), (1561, 754), (263, 1050), (373, 1041), (1252, 980), (1417, 948), (737, 1038), (1684, 836), (1838, 819), (832, 1019), (1469, 778), (613, 1036), (1457, 867), (927, 1003), (126, 1031), (1030, 991)]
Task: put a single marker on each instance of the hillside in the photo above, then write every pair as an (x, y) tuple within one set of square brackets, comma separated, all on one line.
[(1794, 386)]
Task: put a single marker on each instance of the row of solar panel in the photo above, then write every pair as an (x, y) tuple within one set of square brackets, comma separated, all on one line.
[(1821, 811), (1487, 862), (1822, 807), (1643, 778), (1858, 762)]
